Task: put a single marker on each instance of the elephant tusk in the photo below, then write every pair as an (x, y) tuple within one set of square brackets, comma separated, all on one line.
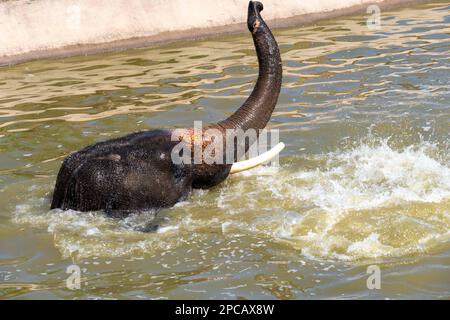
[(256, 161)]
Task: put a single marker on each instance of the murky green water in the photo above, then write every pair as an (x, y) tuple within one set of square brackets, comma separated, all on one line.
[(365, 177)]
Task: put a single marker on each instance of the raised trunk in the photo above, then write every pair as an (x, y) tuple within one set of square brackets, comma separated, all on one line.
[(257, 109)]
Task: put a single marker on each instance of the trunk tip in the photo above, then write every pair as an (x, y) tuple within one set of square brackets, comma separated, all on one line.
[(253, 17), (256, 6)]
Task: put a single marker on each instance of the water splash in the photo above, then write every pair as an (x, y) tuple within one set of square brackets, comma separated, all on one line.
[(371, 201), (368, 202)]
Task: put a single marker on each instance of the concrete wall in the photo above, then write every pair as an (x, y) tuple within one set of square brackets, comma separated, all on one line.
[(50, 28)]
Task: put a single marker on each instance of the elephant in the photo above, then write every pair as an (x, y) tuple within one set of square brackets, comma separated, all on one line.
[(137, 172)]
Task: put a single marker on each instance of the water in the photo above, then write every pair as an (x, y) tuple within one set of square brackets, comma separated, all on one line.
[(364, 179)]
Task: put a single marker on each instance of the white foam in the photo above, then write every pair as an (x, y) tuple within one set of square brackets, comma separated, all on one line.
[(167, 229), (370, 246), (371, 177)]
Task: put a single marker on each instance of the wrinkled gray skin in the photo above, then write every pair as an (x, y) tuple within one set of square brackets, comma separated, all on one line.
[(136, 171)]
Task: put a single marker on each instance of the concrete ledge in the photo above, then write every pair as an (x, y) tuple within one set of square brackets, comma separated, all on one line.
[(59, 28)]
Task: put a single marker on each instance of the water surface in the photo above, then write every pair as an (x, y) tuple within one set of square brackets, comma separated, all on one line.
[(364, 179)]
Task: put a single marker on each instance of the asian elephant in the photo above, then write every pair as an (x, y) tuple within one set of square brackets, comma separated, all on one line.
[(137, 172)]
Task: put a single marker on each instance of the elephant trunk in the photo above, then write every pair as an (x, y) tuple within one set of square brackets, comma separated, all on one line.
[(256, 111)]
